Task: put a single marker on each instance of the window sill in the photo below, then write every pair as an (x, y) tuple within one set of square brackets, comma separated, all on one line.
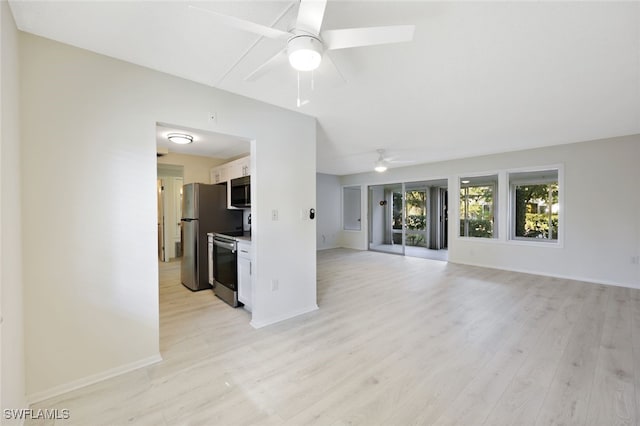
[(536, 243), (479, 239)]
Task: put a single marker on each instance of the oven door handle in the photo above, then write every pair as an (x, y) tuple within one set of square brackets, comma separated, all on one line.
[(224, 244)]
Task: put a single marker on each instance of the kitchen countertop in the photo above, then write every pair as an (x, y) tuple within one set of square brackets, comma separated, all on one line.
[(246, 236)]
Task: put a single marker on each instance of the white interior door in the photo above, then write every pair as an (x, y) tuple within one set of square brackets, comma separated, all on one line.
[(177, 196), (168, 218), (160, 220)]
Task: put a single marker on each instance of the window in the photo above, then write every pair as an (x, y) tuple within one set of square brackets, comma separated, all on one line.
[(477, 206), (535, 207), (351, 209)]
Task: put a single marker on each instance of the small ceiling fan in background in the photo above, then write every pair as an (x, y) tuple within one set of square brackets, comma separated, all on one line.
[(383, 162), (305, 45)]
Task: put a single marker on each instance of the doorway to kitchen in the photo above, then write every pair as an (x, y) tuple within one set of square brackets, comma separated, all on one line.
[(185, 156), (409, 218), (169, 185)]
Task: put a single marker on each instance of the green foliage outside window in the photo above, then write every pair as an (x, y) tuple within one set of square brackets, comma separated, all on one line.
[(481, 228), (416, 222), (534, 211), (397, 210), (476, 211), (416, 219)]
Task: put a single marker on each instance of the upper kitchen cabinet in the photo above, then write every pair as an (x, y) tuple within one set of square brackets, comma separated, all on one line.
[(231, 170), (239, 168), (220, 174)]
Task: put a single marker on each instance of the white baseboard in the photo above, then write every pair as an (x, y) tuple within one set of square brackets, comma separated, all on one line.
[(327, 248), (273, 320), (89, 380), (564, 277)]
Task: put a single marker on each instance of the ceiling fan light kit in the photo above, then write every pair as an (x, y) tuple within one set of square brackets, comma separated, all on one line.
[(380, 167), (305, 52), (305, 44), (382, 163)]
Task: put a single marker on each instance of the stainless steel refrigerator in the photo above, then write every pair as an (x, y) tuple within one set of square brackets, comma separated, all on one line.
[(204, 209)]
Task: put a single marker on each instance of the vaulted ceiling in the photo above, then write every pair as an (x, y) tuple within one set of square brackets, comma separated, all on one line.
[(478, 78)]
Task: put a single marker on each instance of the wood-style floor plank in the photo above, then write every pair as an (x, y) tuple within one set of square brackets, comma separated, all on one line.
[(634, 299), (612, 399), (521, 400), (396, 341), (567, 398)]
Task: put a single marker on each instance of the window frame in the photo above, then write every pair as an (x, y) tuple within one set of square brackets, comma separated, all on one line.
[(492, 178), (511, 205)]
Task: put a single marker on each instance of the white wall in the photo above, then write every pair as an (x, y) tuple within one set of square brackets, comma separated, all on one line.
[(328, 195), (12, 370), (601, 205), (89, 132)]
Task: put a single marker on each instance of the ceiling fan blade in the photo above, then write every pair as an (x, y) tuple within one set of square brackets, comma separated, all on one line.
[(241, 24), (279, 58), (328, 59), (391, 161), (357, 37), (310, 15)]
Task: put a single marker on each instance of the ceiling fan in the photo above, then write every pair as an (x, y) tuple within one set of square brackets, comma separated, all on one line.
[(382, 163), (304, 44)]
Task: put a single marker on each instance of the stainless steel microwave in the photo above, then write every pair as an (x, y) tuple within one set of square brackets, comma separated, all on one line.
[(241, 192)]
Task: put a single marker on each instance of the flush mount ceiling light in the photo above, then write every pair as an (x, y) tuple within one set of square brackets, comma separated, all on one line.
[(305, 53), (180, 138)]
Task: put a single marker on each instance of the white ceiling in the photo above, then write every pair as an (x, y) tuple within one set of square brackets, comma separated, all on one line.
[(479, 77), (206, 144)]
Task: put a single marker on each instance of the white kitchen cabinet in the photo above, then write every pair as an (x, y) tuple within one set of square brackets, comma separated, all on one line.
[(239, 168), (245, 166), (220, 174), (245, 278)]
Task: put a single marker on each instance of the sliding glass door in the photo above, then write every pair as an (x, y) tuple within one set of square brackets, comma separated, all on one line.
[(416, 218), (408, 218)]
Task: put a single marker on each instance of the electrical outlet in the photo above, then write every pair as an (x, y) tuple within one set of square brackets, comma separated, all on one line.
[(274, 285), (635, 260), (274, 214)]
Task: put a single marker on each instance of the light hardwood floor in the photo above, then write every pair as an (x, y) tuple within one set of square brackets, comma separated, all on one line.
[(397, 340)]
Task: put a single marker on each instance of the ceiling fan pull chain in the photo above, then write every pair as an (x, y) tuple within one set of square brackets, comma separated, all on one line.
[(299, 102), (298, 89)]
